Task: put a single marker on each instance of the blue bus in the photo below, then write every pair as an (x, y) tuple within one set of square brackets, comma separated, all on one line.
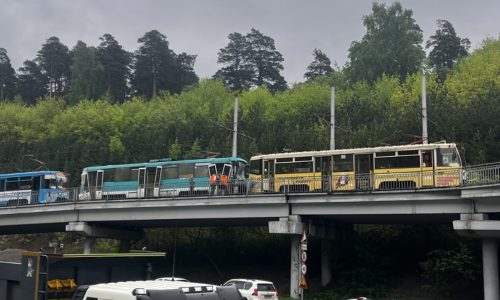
[(34, 187), (161, 178)]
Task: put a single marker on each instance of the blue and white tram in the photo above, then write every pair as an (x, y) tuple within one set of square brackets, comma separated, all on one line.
[(33, 187), (160, 178)]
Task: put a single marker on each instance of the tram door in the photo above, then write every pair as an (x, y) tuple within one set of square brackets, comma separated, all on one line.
[(141, 183), (326, 172), (157, 182), (99, 184), (363, 167), (268, 178)]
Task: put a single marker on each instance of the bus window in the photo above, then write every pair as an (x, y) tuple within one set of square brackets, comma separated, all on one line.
[(447, 157), (170, 172), (256, 167), (343, 163)]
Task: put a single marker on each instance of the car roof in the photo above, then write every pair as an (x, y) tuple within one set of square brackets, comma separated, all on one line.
[(253, 280)]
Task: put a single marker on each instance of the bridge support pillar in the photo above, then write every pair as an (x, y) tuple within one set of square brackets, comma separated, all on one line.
[(295, 228), (479, 226), (124, 246), (89, 246), (326, 266), (92, 232)]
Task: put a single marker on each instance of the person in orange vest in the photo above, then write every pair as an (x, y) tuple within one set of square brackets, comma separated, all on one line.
[(223, 183), (213, 184)]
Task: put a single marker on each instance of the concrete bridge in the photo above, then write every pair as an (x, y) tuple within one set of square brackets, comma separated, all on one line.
[(474, 211)]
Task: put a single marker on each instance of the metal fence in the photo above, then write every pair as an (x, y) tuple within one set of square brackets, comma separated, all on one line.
[(459, 177)]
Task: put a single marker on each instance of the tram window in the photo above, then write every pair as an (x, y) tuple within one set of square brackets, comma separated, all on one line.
[(379, 154), (427, 159), (92, 178), (12, 186), (134, 174), (109, 175), (284, 159), (170, 172), (256, 167), (448, 157), (186, 170), (284, 168), (343, 163), (201, 170), (303, 167), (121, 174), (25, 184), (397, 162), (307, 158), (2, 185), (412, 152)]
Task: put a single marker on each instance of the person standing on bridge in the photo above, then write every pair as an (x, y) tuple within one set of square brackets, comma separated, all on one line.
[(223, 184), (213, 183)]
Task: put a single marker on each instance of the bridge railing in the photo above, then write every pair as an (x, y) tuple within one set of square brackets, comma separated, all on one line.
[(458, 177)]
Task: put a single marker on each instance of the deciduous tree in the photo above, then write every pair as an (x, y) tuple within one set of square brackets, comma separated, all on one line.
[(390, 46)]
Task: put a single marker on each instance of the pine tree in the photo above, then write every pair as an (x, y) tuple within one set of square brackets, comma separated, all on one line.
[(7, 77), (265, 61), (32, 83), (154, 62), (321, 66), (54, 60), (116, 62), (87, 75), (447, 46), (237, 73)]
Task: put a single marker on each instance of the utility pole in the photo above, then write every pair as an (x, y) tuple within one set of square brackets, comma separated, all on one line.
[(424, 113), (332, 121), (235, 128)]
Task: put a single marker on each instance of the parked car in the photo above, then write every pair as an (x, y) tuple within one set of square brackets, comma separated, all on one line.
[(253, 289), (171, 279)]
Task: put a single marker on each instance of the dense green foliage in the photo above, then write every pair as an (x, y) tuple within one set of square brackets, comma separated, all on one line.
[(68, 138)]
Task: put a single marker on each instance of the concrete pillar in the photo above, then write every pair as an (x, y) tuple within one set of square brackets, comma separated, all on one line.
[(326, 267), (89, 245), (490, 269), (295, 273), (124, 246)]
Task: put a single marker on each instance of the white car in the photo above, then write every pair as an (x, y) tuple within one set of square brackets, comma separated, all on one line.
[(253, 289), (171, 279)]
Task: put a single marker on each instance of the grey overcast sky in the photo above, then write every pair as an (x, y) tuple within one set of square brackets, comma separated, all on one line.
[(201, 27)]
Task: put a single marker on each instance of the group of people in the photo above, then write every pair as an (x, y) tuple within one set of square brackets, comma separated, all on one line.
[(219, 182)]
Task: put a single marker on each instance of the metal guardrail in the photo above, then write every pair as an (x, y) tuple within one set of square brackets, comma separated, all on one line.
[(459, 177)]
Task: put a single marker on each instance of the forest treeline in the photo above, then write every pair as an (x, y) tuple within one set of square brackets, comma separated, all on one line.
[(462, 108)]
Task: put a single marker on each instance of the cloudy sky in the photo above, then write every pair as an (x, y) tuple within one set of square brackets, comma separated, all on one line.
[(201, 26)]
